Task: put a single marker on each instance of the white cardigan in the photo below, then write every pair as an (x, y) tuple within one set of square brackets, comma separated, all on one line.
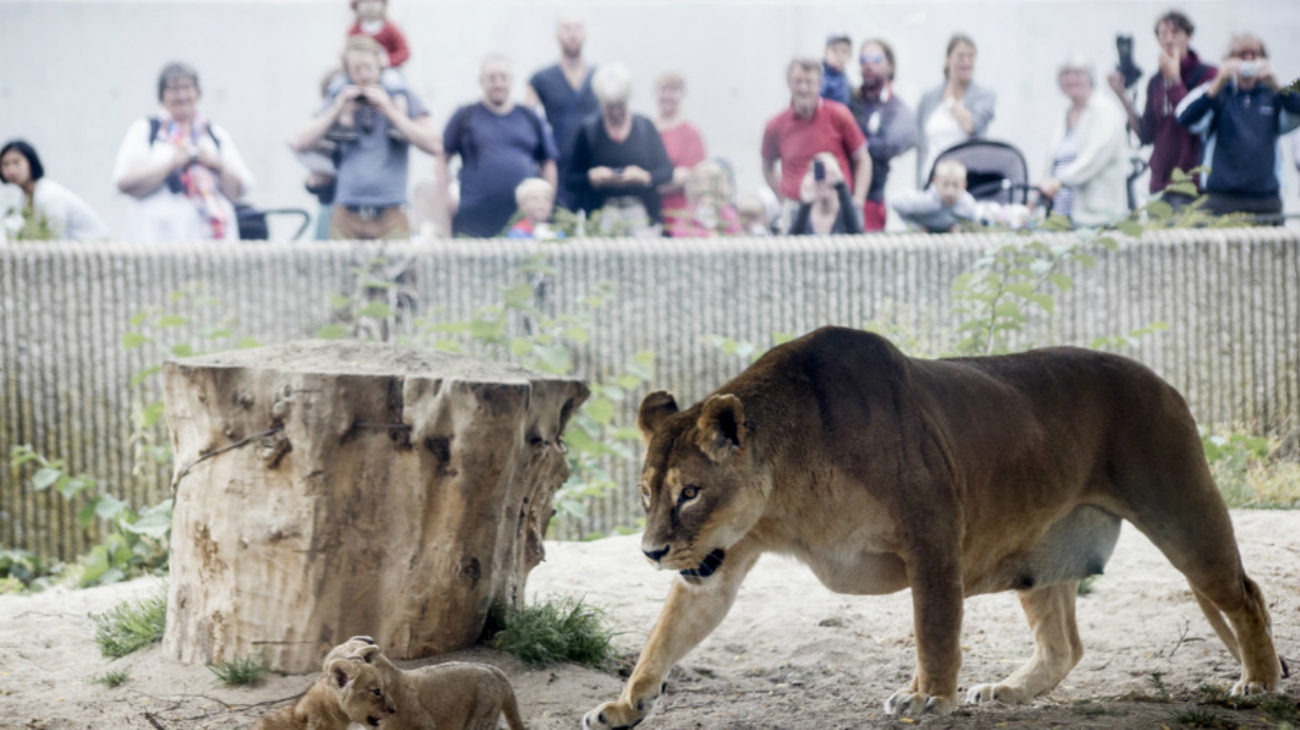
[(1099, 174)]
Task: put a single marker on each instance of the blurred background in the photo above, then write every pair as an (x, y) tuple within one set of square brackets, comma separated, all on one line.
[(74, 74)]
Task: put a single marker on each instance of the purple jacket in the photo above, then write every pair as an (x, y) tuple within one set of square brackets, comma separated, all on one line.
[(1172, 145)]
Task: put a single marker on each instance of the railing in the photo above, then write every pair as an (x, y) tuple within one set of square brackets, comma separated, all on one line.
[(1231, 300)]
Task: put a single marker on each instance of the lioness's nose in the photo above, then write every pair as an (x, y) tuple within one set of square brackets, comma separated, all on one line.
[(655, 555)]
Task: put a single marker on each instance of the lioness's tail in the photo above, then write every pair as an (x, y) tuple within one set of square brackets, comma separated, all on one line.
[(1220, 626)]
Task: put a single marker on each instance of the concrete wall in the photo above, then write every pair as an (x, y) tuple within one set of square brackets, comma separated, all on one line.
[(74, 74)]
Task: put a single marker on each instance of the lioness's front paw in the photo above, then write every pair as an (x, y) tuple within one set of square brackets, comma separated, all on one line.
[(619, 715), (995, 692), (1248, 687), (904, 702)]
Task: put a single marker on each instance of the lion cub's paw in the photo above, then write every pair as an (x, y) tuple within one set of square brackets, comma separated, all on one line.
[(904, 702), (995, 692), (618, 715)]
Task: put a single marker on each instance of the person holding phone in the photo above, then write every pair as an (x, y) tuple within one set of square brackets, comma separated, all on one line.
[(825, 205), (1243, 114), (619, 161)]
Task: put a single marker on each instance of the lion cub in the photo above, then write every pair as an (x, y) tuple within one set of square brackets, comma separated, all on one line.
[(349, 690), (451, 696)]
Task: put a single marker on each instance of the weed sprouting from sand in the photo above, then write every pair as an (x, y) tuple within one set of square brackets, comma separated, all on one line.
[(556, 631), (112, 678), (240, 671), (131, 625)]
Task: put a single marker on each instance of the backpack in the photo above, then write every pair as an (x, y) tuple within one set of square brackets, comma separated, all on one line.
[(464, 136), (250, 221)]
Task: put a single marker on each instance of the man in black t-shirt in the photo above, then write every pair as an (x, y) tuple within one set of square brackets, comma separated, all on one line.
[(564, 92)]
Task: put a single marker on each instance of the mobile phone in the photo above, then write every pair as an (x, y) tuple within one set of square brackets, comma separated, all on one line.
[(1248, 69), (819, 170)]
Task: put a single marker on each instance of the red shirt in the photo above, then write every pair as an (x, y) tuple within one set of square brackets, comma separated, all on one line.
[(794, 141), (685, 148), (391, 39)]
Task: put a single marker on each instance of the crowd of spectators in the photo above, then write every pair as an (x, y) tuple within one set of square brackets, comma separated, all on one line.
[(575, 143)]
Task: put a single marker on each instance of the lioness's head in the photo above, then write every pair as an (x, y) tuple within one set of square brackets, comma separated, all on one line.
[(700, 486), (360, 692)]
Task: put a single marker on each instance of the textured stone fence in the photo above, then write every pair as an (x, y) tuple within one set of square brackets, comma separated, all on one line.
[(1230, 298)]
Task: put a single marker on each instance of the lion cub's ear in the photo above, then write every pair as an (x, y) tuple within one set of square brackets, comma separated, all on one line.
[(368, 654), (721, 427), (655, 409), (340, 671)]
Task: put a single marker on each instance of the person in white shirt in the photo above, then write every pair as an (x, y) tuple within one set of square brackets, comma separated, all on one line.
[(1087, 174), (54, 209), (181, 171)]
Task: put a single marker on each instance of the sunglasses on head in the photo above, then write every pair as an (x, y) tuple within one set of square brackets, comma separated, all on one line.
[(872, 57)]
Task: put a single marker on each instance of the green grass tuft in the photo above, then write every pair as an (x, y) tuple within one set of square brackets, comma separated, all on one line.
[(112, 678), (1197, 717), (240, 671), (556, 631), (131, 625), (1085, 585)]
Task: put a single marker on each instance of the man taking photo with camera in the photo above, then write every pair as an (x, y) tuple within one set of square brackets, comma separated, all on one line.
[(370, 197), (1181, 70)]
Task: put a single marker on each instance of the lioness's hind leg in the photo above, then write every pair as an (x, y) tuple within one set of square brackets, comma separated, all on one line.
[(1057, 648), (1193, 529)]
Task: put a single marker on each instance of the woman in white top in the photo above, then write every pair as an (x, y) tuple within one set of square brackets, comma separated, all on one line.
[(181, 171), (56, 211), (954, 111), (1089, 161)]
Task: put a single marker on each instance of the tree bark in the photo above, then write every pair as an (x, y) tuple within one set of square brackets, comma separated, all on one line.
[(328, 489)]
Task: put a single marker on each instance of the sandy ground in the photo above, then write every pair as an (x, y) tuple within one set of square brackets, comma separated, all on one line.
[(790, 655)]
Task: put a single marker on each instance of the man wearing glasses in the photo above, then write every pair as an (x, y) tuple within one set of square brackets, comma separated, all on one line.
[(886, 121), (1243, 114)]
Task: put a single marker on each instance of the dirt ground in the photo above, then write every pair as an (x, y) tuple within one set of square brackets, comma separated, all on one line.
[(790, 655)]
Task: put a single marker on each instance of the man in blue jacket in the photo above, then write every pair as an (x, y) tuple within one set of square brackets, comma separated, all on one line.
[(1242, 113)]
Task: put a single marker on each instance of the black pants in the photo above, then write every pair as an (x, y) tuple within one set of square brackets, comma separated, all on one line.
[(1269, 207)]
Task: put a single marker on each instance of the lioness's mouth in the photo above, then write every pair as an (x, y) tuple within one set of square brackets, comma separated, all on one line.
[(372, 721), (708, 566)]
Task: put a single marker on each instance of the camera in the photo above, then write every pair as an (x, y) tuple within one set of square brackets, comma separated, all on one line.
[(1127, 67), (819, 170), (365, 115), (1248, 69)]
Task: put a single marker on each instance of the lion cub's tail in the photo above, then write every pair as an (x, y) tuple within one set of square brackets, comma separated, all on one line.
[(509, 704), (1220, 626)]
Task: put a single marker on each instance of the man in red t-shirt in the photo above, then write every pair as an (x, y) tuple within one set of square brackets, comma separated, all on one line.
[(811, 125)]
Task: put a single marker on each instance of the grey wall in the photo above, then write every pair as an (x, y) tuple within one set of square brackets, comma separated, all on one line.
[(73, 75)]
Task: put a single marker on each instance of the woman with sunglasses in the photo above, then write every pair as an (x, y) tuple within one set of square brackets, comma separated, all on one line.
[(886, 121), (1244, 114)]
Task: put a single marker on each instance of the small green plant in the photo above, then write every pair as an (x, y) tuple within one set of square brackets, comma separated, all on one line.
[(1088, 708), (1085, 585), (26, 223), (567, 630), (131, 625), (1199, 717), (242, 671), (1161, 687), (112, 678), (20, 569)]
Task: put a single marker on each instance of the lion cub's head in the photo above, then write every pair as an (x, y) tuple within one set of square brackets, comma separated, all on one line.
[(700, 485), (360, 692)]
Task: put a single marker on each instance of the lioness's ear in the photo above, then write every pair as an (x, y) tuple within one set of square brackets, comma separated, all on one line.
[(340, 671), (368, 654), (721, 427), (656, 407)]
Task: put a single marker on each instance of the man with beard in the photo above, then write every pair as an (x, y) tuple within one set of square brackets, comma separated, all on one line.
[(886, 121), (810, 125), (500, 145), (564, 92)]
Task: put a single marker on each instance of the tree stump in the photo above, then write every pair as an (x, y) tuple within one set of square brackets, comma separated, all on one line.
[(328, 489)]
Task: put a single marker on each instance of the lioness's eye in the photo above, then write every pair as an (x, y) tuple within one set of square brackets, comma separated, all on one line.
[(689, 493), (377, 693)]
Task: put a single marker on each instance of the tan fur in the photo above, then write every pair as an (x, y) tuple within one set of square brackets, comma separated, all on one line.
[(451, 696), (949, 477), (347, 691)]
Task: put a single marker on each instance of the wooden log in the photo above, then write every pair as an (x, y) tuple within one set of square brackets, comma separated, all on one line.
[(328, 489)]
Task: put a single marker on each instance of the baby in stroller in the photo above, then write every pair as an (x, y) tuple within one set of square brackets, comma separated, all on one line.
[(944, 205)]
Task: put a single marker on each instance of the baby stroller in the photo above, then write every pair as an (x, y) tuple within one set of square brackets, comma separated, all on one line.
[(995, 171)]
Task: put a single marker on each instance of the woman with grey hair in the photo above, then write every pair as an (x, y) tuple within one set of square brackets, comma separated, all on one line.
[(619, 160), (180, 170), (1088, 168)]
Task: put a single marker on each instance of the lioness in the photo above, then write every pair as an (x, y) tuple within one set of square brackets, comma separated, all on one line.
[(950, 477), (451, 696), (348, 690)]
